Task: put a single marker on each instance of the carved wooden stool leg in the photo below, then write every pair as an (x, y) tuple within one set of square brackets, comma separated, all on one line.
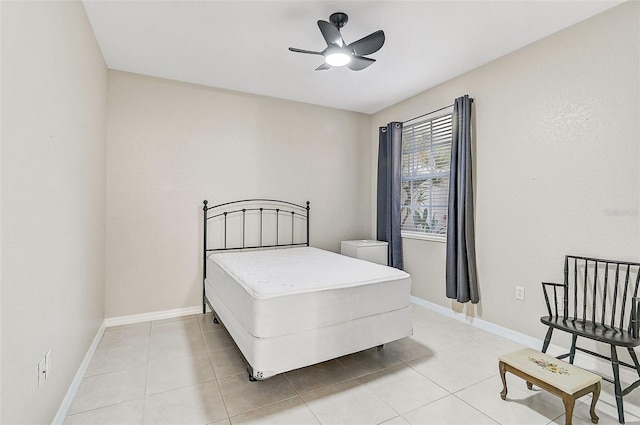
[(569, 403), (594, 400), (503, 370)]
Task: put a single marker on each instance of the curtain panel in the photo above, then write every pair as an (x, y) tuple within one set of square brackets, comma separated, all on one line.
[(461, 277), (388, 200)]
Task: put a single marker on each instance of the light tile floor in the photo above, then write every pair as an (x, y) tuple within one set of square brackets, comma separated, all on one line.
[(188, 371)]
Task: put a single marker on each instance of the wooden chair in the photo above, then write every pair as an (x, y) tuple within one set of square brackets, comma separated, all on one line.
[(599, 302)]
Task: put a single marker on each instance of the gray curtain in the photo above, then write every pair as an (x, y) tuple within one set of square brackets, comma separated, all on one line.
[(389, 164), (462, 282)]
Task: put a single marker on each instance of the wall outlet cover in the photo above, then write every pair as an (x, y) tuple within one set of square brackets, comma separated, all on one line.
[(41, 372)]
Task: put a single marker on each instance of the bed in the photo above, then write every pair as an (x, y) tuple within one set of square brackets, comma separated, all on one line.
[(286, 304)]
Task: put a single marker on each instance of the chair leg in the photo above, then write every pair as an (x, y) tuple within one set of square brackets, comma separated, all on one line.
[(616, 382), (594, 400), (547, 339), (572, 353), (569, 403), (502, 368), (632, 353)]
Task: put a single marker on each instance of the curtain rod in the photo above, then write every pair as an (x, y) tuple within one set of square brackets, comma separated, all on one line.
[(429, 113)]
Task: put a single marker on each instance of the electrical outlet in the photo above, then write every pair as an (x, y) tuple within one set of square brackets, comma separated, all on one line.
[(44, 368), (520, 293), (41, 372)]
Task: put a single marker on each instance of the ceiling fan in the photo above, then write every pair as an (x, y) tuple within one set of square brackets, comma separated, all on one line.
[(337, 52)]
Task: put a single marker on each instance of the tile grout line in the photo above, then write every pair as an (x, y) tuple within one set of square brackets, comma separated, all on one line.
[(113, 371), (490, 417), (299, 395), (224, 403), (82, 412), (310, 409), (191, 356), (146, 375), (431, 380), (266, 405), (432, 401), (406, 363), (364, 385), (182, 388), (475, 408), (323, 387), (106, 405)]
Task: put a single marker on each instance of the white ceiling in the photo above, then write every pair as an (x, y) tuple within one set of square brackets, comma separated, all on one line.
[(242, 45)]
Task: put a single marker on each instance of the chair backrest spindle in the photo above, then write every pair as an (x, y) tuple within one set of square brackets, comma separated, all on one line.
[(584, 296), (604, 293), (575, 288), (633, 303), (615, 296), (595, 293), (624, 297)]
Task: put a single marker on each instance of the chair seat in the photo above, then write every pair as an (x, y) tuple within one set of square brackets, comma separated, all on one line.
[(588, 329)]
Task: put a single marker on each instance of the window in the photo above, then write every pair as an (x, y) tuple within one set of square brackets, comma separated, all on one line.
[(426, 153)]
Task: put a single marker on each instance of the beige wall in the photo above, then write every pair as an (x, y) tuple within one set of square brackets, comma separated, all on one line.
[(54, 86), (558, 142), (171, 145)]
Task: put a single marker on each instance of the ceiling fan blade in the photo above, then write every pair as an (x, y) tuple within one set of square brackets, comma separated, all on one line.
[(323, 67), (358, 64), (369, 44), (331, 34), (293, 49)]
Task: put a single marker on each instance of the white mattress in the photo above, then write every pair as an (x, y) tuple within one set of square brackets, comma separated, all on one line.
[(287, 291)]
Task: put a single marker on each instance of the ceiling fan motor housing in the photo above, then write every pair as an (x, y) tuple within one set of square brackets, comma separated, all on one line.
[(339, 19)]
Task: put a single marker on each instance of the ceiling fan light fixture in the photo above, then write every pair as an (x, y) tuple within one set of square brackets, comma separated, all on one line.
[(337, 58)]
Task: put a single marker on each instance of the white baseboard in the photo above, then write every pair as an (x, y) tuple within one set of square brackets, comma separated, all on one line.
[(154, 315), (584, 360), (518, 337), (77, 379)]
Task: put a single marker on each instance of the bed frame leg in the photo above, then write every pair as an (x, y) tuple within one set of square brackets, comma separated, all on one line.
[(252, 378), (215, 316), (380, 347)]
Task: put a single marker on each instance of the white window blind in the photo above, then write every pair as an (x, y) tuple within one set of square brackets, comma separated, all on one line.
[(426, 154)]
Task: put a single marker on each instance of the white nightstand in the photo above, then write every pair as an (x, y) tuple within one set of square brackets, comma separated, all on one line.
[(374, 251)]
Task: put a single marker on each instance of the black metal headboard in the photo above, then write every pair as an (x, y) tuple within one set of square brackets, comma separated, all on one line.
[(227, 211)]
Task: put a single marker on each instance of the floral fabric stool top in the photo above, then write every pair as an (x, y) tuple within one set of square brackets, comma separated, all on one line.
[(560, 378)]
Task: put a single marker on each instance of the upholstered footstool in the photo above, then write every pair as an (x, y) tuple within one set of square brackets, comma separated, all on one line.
[(562, 379)]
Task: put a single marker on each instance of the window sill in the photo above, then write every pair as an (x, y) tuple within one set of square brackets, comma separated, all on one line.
[(423, 237)]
